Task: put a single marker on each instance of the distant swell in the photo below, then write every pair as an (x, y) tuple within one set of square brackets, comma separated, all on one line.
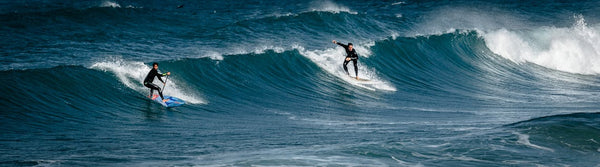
[(579, 131)]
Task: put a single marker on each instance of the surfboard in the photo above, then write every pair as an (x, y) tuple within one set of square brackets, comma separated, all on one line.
[(360, 79), (171, 101)]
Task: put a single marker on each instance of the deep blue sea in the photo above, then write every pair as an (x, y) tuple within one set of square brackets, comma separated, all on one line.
[(451, 83)]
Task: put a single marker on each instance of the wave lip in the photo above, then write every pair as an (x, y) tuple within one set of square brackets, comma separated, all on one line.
[(110, 4), (574, 49), (328, 6)]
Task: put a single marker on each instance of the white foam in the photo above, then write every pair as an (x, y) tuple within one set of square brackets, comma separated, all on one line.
[(399, 3), (437, 146), (573, 49), (524, 139), (132, 74), (278, 15), (328, 6), (465, 158), (288, 156), (110, 4), (404, 163), (261, 49), (214, 55), (331, 61), (220, 54)]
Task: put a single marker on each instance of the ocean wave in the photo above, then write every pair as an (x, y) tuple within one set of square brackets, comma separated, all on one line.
[(110, 4), (573, 49), (578, 131), (330, 60), (329, 6), (263, 77), (132, 74), (114, 4)]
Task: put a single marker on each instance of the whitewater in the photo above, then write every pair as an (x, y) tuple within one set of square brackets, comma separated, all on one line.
[(461, 83)]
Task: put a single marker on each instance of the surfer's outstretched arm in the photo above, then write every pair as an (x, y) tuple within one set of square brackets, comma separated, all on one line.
[(341, 44)]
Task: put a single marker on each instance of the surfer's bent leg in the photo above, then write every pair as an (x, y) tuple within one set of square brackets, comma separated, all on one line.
[(355, 68), (151, 90), (160, 93), (346, 68), (152, 87)]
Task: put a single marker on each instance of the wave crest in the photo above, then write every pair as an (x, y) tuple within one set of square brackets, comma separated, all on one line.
[(574, 49), (328, 6), (110, 4)]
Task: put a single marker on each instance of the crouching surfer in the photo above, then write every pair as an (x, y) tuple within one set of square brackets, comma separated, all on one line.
[(150, 78)]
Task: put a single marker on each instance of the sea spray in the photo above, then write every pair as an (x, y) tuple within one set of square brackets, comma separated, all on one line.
[(132, 74), (573, 49)]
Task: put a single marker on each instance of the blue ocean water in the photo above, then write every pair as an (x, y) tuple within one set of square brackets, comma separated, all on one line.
[(452, 83)]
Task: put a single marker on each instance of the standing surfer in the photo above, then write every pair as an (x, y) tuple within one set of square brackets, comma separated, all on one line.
[(150, 78), (350, 55)]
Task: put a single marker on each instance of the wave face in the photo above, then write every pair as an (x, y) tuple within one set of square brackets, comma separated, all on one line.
[(461, 83)]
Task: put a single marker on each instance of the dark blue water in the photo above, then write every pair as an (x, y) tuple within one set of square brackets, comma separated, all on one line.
[(452, 83)]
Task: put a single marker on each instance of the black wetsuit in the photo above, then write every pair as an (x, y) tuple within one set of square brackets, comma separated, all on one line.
[(150, 78), (353, 56)]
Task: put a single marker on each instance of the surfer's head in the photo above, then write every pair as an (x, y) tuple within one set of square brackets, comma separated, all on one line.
[(155, 66), (350, 46)]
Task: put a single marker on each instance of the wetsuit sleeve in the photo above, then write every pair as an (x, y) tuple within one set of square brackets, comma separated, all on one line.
[(345, 46), (159, 76)]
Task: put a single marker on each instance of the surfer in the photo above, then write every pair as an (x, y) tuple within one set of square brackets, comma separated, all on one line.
[(350, 55), (150, 78)]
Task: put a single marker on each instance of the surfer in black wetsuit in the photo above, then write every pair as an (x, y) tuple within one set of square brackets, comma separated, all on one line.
[(150, 78), (350, 55)]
